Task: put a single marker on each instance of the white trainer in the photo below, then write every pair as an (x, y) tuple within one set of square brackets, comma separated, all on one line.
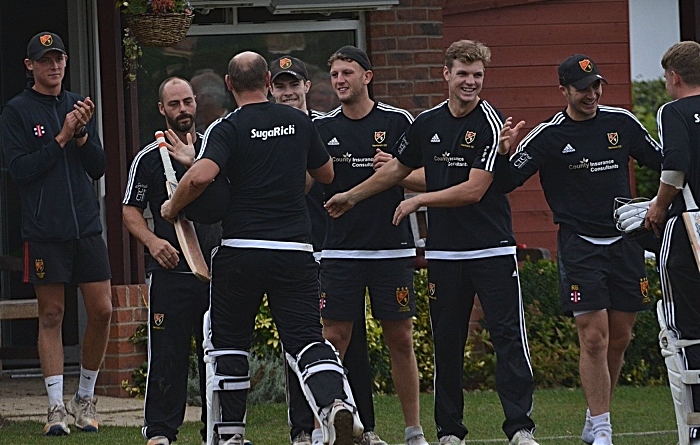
[(158, 440), (56, 422), (372, 438), (523, 437), (341, 424), (603, 438), (303, 438), (417, 440), (236, 439), (451, 440), (84, 411)]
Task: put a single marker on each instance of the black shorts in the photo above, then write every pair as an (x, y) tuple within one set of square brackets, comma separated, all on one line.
[(77, 261), (594, 277), (390, 283)]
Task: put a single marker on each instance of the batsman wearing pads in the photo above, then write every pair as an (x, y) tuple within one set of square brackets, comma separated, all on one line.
[(679, 130), (266, 149)]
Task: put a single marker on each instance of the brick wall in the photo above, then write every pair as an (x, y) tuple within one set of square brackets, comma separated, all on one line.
[(123, 357), (406, 49)]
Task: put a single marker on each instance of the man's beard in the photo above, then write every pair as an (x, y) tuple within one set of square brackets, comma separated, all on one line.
[(183, 123)]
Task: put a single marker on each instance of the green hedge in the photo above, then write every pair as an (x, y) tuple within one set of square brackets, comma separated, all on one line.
[(552, 339)]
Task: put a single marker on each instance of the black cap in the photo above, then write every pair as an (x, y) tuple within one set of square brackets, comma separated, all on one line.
[(289, 65), (42, 43), (356, 54), (579, 71)]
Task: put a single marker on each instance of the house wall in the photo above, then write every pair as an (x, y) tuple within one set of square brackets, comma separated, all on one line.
[(407, 50), (522, 78)]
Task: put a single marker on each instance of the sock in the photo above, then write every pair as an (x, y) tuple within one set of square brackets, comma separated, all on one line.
[(587, 433), (86, 388), (317, 437), (602, 430), (413, 431), (54, 388)]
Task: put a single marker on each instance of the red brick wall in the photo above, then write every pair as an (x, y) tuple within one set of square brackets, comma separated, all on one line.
[(406, 49), (123, 357)]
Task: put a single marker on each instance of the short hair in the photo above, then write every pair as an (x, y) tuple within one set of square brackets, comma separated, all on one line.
[(467, 51), (248, 73), (684, 59), (212, 84), (169, 80)]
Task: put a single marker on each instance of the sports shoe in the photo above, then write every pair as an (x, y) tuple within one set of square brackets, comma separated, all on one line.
[(56, 422), (602, 438), (587, 433), (372, 438), (303, 438), (84, 411), (523, 437), (158, 440), (236, 439), (451, 440), (342, 428), (418, 439)]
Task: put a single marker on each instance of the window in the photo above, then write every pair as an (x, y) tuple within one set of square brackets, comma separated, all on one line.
[(224, 32)]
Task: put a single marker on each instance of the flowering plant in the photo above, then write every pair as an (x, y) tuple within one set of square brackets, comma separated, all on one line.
[(151, 23), (154, 6)]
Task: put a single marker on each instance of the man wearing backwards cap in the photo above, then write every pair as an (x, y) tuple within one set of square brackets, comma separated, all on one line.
[(364, 249), (289, 85), (53, 152), (471, 248), (582, 155)]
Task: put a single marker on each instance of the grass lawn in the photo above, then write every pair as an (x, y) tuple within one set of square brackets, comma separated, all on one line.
[(641, 416)]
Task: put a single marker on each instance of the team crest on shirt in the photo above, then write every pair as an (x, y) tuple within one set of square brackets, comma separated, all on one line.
[(402, 297), (614, 140), (644, 288), (379, 136), (39, 267), (158, 320), (431, 291), (575, 294), (469, 137), (322, 301)]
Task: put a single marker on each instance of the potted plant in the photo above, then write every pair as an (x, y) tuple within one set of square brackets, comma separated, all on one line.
[(152, 23), (157, 22)]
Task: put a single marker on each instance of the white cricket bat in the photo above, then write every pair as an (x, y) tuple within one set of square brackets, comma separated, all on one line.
[(691, 218), (184, 228)]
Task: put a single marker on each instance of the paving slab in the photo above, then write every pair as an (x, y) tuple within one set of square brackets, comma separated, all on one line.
[(24, 398)]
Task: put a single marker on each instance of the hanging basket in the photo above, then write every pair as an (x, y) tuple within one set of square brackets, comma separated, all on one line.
[(159, 29)]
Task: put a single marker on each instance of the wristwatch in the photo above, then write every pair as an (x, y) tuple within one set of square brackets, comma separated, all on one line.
[(81, 133)]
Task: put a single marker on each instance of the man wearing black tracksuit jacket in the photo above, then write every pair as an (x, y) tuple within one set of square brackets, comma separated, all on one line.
[(53, 153)]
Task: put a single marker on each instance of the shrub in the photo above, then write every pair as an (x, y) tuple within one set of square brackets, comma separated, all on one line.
[(552, 338), (647, 97)]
